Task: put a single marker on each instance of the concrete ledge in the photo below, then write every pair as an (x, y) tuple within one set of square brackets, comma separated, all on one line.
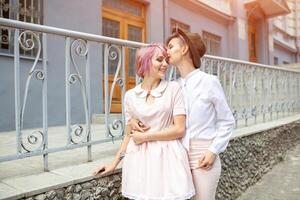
[(30, 185), (241, 132), (9, 192), (35, 184)]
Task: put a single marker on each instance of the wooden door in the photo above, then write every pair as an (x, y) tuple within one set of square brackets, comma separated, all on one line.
[(252, 40), (134, 32), (118, 24)]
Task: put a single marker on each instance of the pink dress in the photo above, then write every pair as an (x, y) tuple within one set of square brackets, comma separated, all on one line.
[(158, 169)]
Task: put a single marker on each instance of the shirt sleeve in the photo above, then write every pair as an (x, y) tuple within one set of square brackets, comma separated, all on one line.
[(178, 108), (127, 110), (224, 118)]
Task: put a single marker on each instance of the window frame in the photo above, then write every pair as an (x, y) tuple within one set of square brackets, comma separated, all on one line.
[(275, 60), (182, 25), (15, 13), (208, 39)]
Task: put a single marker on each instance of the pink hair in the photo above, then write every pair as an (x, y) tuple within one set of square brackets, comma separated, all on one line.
[(144, 57)]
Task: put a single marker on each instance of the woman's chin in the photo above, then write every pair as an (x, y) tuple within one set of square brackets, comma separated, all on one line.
[(162, 75)]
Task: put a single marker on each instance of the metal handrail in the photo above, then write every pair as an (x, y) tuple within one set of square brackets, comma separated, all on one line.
[(67, 33)]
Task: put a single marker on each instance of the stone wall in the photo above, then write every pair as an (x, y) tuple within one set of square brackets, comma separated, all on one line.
[(244, 162)]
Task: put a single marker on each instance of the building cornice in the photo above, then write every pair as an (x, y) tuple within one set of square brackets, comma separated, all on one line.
[(276, 28), (217, 13), (284, 45), (206, 10), (270, 8)]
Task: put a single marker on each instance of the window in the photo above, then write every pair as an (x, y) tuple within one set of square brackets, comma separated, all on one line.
[(275, 60), (212, 43), (22, 10), (129, 7), (285, 62), (183, 26), (283, 22)]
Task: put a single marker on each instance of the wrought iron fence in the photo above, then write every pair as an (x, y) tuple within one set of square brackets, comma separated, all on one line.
[(254, 91)]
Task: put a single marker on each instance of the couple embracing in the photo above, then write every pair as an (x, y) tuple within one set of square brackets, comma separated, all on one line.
[(175, 130)]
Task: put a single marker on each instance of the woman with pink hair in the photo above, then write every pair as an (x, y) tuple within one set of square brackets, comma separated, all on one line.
[(155, 163)]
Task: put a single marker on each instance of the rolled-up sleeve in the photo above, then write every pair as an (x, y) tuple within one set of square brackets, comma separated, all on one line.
[(224, 118)]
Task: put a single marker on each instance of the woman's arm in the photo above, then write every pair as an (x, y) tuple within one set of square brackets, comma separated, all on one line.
[(174, 132), (118, 157), (224, 118), (120, 154), (224, 124)]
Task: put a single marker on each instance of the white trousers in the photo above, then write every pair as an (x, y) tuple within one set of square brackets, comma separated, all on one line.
[(205, 182)]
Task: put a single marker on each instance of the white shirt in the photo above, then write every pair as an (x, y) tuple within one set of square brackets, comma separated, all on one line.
[(208, 114)]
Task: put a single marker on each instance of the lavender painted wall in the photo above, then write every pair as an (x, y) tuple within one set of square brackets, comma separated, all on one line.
[(199, 23), (69, 14)]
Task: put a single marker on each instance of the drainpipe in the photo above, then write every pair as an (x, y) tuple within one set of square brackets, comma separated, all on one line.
[(164, 20), (296, 28), (268, 39)]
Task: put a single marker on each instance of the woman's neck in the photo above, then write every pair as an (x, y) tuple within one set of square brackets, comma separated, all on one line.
[(150, 83), (185, 67)]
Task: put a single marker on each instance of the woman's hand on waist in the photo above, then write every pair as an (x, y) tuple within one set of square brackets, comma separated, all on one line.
[(137, 125), (138, 137)]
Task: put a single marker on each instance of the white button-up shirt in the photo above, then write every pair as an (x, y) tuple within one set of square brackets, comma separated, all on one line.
[(208, 114)]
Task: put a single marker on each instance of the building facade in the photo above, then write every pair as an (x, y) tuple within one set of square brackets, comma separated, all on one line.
[(286, 35), (262, 31)]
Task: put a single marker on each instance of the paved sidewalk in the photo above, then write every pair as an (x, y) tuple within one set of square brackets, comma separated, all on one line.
[(57, 137), (281, 183)]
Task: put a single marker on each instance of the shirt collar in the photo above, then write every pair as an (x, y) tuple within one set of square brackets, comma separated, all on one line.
[(188, 76), (157, 92)]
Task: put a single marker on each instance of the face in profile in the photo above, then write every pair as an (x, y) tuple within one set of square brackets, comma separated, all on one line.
[(174, 50), (159, 65)]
